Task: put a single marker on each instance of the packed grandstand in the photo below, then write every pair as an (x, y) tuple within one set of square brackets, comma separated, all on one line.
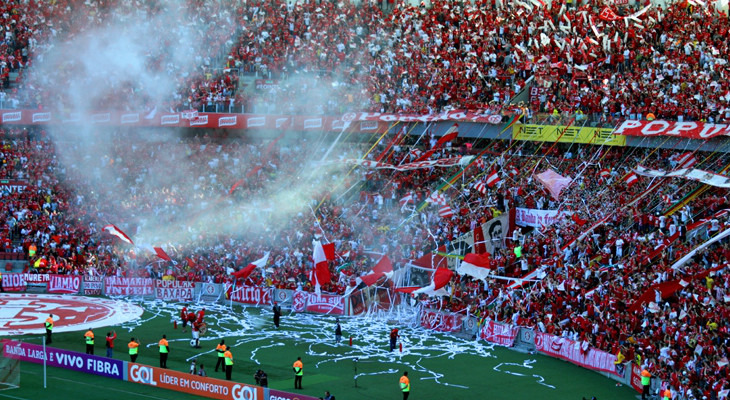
[(631, 260)]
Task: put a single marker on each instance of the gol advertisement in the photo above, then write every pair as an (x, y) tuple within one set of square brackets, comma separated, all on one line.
[(193, 384)]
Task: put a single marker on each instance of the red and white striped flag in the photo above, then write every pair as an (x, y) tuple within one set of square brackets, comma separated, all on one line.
[(493, 179), (631, 179), (480, 187), (437, 198), (321, 267), (446, 212), (667, 199), (686, 160), (480, 163), (605, 173), (512, 171), (406, 199), (113, 230)]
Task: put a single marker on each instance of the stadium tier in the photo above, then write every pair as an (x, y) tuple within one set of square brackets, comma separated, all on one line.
[(353, 172)]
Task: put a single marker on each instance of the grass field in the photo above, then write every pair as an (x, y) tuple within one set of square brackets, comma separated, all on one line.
[(440, 366)]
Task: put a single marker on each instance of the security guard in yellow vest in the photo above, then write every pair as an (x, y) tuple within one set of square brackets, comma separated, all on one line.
[(298, 373), (229, 362), (405, 385), (133, 349), (89, 339), (49, 329), (164, 350), (221, 350)]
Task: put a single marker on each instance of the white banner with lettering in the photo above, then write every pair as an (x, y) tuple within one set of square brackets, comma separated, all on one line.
[(537, 218)]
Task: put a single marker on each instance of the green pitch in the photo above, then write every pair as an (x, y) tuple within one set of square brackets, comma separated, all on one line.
[(440, 366)]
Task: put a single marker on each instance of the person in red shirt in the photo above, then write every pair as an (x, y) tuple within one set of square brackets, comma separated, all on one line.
[(110, 336)]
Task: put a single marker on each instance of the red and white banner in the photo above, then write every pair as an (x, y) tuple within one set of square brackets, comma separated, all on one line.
[(66, 284), (363, 122), (537, 218), (325, 304), (251, 295), (443, 162), (499, 333), (118, 286), (93, 285), (636, 378), (694, 130), (440, 321), (706, 177), (14, 282), (12, 186), (174, 290), (570, 350)]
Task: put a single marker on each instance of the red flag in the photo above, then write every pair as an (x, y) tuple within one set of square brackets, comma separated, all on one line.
[(113, 230), (243, 273), (476, 265), (246, 271), (441, 277), (578, 220), (329, 251), (607, 14), (383, 266), (236, 185), (370, 279), (161, 253), (450, 135)]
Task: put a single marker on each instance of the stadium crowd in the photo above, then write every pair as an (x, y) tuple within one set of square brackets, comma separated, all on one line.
[(410, 60), (610, 63), (586, 292)]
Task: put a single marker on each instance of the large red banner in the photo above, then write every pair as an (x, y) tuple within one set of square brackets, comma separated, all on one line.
[(570, 350), (694, 130), (65, 284), (251, 295), (441, 322), (499, 333), (360, 121), (325, 304)]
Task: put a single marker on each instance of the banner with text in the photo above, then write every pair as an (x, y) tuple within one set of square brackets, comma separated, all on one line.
[(118, 286), (693, 130), (279, 395), (441, 321), (192, 384), (93, 285), (570, 134), (12, 186), (64, 284), (324, 304), (14, 282), (174, 290), (499, 333), (537, 218), (252, 295), (570, 350), (66, 359), (360, 121)]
